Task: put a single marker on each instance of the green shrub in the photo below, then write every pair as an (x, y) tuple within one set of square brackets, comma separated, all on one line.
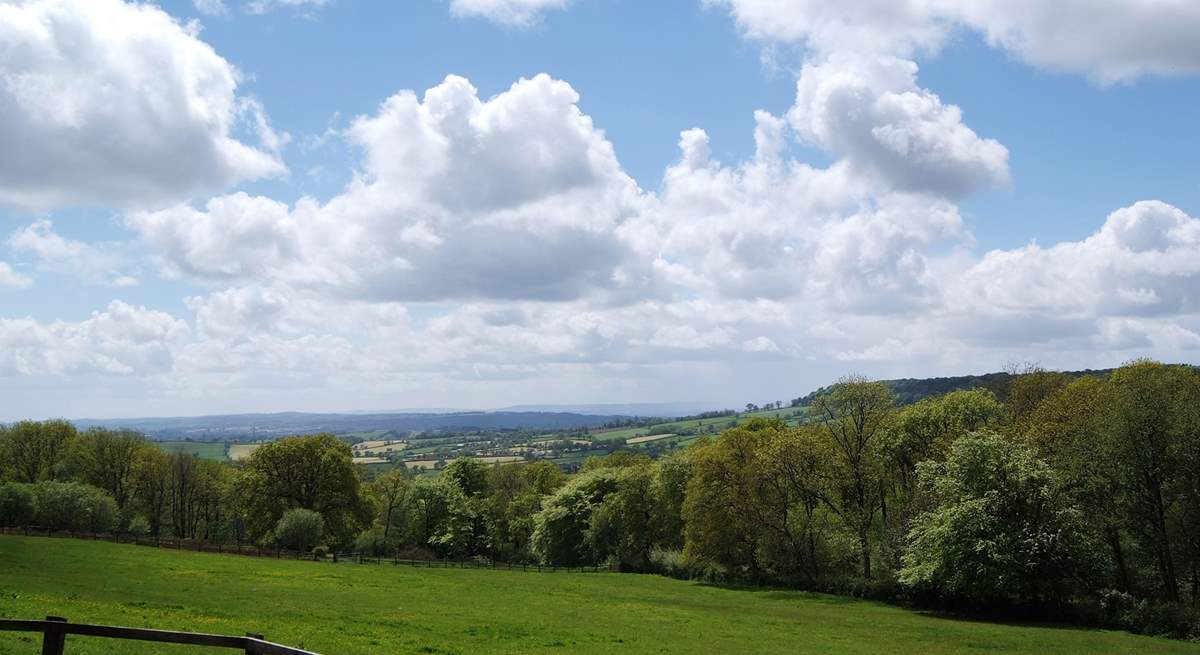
[(139, 526), (299, 529), (74, 506), (16, 504), (371, 542)]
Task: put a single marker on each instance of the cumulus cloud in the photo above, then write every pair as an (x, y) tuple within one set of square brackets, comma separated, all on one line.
[(518, 13), (121, 340), (104, 102), (872, 113), (516, 196), (105, 263), (12, 278), (1108, 40), (1144, 261), (893, 27)]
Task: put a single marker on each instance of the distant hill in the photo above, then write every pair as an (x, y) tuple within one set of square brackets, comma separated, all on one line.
[(267, 426), (910, 390)]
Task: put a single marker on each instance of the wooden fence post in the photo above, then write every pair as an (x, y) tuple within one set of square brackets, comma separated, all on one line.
[(250, 649), (55, 638)]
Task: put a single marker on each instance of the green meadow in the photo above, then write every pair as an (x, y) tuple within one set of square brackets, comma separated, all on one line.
[(338, 609)]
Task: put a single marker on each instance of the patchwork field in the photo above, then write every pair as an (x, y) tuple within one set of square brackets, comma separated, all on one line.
[(349, 609)]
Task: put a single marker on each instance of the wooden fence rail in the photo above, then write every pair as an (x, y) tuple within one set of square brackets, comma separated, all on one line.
[(55, 630)]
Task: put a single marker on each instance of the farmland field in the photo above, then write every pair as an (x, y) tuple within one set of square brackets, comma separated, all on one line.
[(240, 451), (203, 449), (353, 609)]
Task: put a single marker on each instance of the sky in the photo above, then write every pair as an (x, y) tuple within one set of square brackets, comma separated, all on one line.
[(218, 206)]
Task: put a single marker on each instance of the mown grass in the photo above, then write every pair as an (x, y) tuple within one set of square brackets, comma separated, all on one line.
[(351, 609)]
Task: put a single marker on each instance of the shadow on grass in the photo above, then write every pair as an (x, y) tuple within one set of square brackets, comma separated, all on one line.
[(1019, 620)]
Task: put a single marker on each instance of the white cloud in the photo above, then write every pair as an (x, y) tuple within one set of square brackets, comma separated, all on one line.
[(104, 263), (1108, 40), (520, 13), (893, 27), (121, 340), (872, 113), (108, 103), (516, 196), (211, 7), (12, 278), (1144, 261), (305, 7)]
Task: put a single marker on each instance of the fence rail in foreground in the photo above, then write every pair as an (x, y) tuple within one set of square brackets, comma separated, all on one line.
[(278, 553), (55, 630)]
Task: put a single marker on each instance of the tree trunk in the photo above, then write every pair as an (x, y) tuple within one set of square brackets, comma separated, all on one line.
[(1114, 541), (865, 545)]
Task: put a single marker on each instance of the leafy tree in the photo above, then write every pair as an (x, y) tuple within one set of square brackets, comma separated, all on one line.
[(854, 414), (623, 526), (1154, 413), (1075, 432), (74, 506), (670, 489), (561, 527), (16, 504), (920, 432), (299, 529), (469, 475), (312, 472), (516, 496), (152, 488), (107, 459), (1002, 528), (753, 500), (387, 493), (36, 450)]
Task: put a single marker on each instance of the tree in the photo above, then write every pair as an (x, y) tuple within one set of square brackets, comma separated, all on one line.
[(469, 475), (74, 506), (312, 472), (387, 492), (854, 414), (1002, 528), (622, 527), (1074, 431), (16, 504), (560, 528), (299, 529), (753, 501), (107, 459), (152, 484), (516, 497), (920, 432), (1154, 413), (36, 451)]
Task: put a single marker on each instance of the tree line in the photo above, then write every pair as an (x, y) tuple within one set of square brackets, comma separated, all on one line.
[(1078, 495)]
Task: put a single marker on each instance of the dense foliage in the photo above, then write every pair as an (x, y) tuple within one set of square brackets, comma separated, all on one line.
[(1073, 494)]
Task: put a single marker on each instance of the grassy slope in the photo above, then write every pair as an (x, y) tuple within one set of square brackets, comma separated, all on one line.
[(719, 423), (348, 609)]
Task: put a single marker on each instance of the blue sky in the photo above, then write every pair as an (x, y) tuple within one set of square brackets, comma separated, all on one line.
[(887, 233)]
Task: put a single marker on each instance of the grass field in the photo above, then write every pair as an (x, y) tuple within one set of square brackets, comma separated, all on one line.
[(717, 423), (204, 449), (353, 609)]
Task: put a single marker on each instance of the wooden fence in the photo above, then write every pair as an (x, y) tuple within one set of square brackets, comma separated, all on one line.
[(55, 630), (279, 553)]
